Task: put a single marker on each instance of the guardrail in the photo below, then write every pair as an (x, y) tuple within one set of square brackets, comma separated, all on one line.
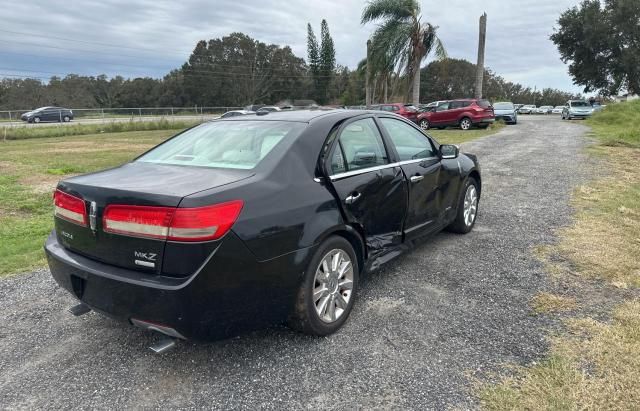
[(106, 113)]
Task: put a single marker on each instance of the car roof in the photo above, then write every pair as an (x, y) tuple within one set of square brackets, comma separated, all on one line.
[(303, 116)]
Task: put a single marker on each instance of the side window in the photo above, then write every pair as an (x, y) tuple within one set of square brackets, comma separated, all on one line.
[(386, 108), (442, 106), (456, 104), (410, 143), (394, 108), (359, 146)]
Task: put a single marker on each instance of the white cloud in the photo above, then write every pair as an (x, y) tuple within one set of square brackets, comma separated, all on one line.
[(518, 45)]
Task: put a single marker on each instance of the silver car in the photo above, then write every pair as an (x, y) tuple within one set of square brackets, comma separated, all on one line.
[(506, 111), (577, 109)]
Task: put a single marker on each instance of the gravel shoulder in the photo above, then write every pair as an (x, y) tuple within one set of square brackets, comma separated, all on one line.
[(424, 327)]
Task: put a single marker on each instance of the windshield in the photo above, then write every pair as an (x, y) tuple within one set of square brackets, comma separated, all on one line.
[(224, 144), (580, 104), (503, 106)]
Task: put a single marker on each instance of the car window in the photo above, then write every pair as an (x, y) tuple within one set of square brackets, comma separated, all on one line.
[(410, 143), (484, 103), (458, 104), (359, 146), (443, 106), (386, 108), (503, 106), (224, 144)]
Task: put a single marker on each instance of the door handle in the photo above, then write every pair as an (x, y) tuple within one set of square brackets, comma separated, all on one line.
[(352, 198), (415, 179)]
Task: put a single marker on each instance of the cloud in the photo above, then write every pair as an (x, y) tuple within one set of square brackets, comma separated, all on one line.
[(150, 37)]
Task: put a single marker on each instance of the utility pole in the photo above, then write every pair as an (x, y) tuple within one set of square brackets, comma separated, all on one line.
[(367, 99), (481, 43)]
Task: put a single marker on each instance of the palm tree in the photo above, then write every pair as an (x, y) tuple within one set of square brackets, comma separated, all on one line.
[(402, 37)]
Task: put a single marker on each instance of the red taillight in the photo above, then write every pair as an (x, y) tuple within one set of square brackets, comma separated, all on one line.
[(177, 224), (70, 208)]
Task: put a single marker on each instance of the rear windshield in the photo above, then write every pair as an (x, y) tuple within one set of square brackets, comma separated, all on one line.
[(503, 106), (580, 104), (484, 103), (224, 144)]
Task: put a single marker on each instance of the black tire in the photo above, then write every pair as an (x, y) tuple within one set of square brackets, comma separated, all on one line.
[(424, 124), (459, 225), (36, 119), (465, 123), (66, 119), (304, 317)]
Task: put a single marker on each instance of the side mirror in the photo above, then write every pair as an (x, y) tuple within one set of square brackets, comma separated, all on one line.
[(362, 158), (449, 151)]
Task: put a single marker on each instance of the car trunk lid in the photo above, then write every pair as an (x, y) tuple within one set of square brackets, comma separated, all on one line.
[(136, 184)]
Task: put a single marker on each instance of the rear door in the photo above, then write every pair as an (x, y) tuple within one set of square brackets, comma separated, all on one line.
[(439, 116), (421, 166), (371, 189)]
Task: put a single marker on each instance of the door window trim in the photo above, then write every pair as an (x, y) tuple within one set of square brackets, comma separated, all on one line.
[(346, 174)]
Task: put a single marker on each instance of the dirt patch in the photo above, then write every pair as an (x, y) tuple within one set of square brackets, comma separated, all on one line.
[(42, 183)]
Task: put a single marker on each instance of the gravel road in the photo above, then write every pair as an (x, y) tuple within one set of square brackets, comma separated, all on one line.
[(423, 329)]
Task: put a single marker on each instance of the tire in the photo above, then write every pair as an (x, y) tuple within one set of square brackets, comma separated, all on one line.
[(424, 124), (36, 119), (465, 123), (462, 224), (306, 315), (66, 119)]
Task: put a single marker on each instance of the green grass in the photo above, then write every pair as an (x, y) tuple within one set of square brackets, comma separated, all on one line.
[(29, 171), (594, 364), (618, 124), (26, 132)]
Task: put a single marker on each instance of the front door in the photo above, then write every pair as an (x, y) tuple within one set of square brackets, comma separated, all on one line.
[(422, 167), (372, 192)]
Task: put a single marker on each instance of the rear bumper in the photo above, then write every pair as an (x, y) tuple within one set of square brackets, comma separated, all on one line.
[(230, 294), (484, 120)]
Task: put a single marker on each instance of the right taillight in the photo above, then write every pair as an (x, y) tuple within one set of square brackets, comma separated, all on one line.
[(176, 224), (70, 208)]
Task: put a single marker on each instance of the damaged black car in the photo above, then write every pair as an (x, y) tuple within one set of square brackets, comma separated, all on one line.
[(242, 223)]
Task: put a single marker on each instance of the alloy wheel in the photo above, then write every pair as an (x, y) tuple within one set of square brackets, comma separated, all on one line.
[(465, 124), (424, 124), (333, 285), (470, 205)]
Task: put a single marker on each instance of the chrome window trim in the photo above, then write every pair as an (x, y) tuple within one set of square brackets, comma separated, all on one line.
[(346, 174)]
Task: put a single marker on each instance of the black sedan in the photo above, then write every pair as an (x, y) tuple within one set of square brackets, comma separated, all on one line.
[(250, 221), (48, 114)]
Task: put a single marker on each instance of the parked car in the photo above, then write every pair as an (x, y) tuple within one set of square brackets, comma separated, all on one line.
[(433, 104), (518, 106), (465, 114), (544, 110), (557, 110), (235, 113), (244, 222), (527, 109), (577, 109), (267, 109), (407, 111), (49, 114), (506, 111), (598, 107)]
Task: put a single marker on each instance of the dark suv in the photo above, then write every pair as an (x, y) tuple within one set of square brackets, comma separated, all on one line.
[(48, 114), (464, 113)]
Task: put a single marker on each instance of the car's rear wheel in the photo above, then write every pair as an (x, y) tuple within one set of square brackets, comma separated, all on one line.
[(467, 208), (327, 292), (424, 124), (66, 119), (465, 123)]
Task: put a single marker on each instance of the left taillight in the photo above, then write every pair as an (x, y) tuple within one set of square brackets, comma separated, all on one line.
[(175, 224), (70, 208)]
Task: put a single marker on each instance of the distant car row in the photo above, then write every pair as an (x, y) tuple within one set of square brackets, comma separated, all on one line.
[(532, 109)]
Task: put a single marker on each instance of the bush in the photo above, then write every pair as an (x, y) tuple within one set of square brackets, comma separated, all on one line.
[(618, 124)]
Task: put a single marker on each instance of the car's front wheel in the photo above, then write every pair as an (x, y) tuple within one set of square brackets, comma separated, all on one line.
[(66, 119), (467, 208), (327, 292), (424, 124), (36, 119)]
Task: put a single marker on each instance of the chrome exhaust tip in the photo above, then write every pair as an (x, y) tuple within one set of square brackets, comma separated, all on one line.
[(162, 346)]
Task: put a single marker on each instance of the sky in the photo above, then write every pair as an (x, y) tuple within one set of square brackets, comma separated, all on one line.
[(137, 38)]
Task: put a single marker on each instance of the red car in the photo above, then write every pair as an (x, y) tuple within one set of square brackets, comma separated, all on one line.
[(464, 113), (407, 111)]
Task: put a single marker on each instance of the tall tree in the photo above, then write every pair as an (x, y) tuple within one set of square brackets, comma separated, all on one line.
[(403, 36), (601, 43), (327, 61), (313, 56)]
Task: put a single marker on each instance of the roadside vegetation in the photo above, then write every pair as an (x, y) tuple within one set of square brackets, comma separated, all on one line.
[(19, 133), (30, 169), (594, 362)]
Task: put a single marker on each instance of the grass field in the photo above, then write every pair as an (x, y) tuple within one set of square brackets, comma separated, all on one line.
[(30, 169), (594, 363)]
